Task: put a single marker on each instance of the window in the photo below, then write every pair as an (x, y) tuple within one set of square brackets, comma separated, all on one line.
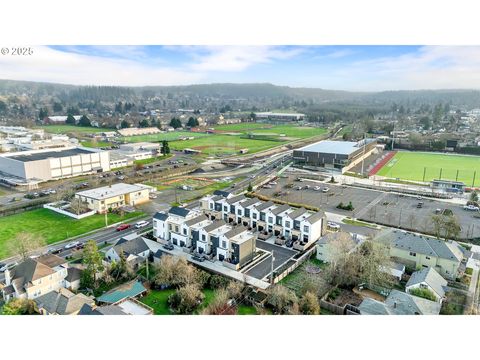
[(305, 228), (270, 219), (204, 238), (184, 231), (287, 224), (225, 208), (254, 216), (413, 254), (426, 257), (239, 212), (224, 244), (211, 206)]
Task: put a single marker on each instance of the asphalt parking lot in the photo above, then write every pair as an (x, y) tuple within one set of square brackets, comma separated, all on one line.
[(263, 268), (376, 206)]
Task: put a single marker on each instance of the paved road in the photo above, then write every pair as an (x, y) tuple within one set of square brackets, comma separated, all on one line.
[(109, 235), (263, 268)]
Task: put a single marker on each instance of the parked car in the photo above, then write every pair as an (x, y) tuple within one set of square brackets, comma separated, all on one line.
[(333, 225), (56, 251), (141, 224), (471, 208), (325, 189), (307, 187), (298, 188), (123, 227), (71, 244), (289, 243), (420, 204), (168, 246), (5, 267), (152, 196), (121, 177), (198, 258), (317, 188)]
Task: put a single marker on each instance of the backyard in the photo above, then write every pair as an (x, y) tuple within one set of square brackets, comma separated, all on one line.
[(50, 226), (158, 300), (303, 277)]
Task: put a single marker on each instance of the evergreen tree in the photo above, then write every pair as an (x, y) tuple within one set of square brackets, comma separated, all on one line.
[(84, 121), (175, 123)]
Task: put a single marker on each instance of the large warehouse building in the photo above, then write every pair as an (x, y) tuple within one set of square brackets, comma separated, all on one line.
[(341, 155), (22, 168)]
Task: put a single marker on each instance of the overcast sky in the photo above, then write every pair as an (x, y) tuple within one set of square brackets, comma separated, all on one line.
[(368, 68)]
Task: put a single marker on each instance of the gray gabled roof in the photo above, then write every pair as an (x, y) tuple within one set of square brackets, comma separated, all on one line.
[(235, 199), (449, 250), (249, 202), (217, 198), (280, 209), (316, 217), (73, 274), (265, 205), (160, 216), (176, 210), (215, 225), (62, 302), (101, 310), (296, 213), (235, 231), (134, 247), (399, 303), (431, 277), (195, 220)]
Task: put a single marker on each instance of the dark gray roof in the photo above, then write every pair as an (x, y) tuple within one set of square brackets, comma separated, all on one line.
[(50, 154), (73, 274), (399, 303), (62, 302), (429, 276), (235, 199), (264, 205), (176, 210), (249, 202), (101, 310), (280, 209), (315, 217), (222, 193), (51, 260), (215, 225), (235, 231), (449, 250), (161, 216), (134, 246), (296, 213), (195, 220), (217, 198)]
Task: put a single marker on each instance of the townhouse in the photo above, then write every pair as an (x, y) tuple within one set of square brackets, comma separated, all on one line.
[(300, 225)]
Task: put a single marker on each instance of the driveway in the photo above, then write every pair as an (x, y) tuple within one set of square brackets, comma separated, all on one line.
[(281, 256)]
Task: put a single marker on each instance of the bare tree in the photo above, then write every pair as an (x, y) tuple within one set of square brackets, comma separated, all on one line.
[(24, 243), (78, 206), (220, 304), (309, 304), (281, 299)]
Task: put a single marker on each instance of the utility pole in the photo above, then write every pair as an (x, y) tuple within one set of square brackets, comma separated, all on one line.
[(364, 148), (271, 269), (147, 270), (106, 218), (393, 136)]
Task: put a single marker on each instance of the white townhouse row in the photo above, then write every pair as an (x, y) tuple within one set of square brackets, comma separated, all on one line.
[(192, 229), (298, 224)]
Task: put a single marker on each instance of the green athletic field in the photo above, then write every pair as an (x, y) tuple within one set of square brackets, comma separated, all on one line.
[(413, 165)]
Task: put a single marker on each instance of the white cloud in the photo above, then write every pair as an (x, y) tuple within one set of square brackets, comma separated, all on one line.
[(47, 64), (238, 58)]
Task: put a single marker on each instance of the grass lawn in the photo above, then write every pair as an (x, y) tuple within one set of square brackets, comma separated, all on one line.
[(289, 131), (62, 129), (223, 144), (158, 300), (169, 136), (246, 310), (51, 226), (358, 223), (411, 165), (152, 160), (95, 144), (299, 277)]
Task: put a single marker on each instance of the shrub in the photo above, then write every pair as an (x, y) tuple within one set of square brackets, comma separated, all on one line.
[(218, 281), (20, 307), (423, 293), (309, 304), (186, 299)]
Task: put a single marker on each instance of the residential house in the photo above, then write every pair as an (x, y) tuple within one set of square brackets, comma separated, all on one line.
[(428, 278), (330, 244), (135, 248), (72, 280), (62, 302), (399, 303), (418, 251), (35, 277)]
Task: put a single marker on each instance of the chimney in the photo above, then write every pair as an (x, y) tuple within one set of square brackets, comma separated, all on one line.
[(8, 279)]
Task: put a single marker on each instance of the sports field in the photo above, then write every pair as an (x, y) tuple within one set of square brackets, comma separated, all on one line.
[(169, 136), (216, 144), (299, 132), (63, 129), (421, 166)]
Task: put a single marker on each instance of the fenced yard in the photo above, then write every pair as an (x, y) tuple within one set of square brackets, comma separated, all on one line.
[(303, 278)]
